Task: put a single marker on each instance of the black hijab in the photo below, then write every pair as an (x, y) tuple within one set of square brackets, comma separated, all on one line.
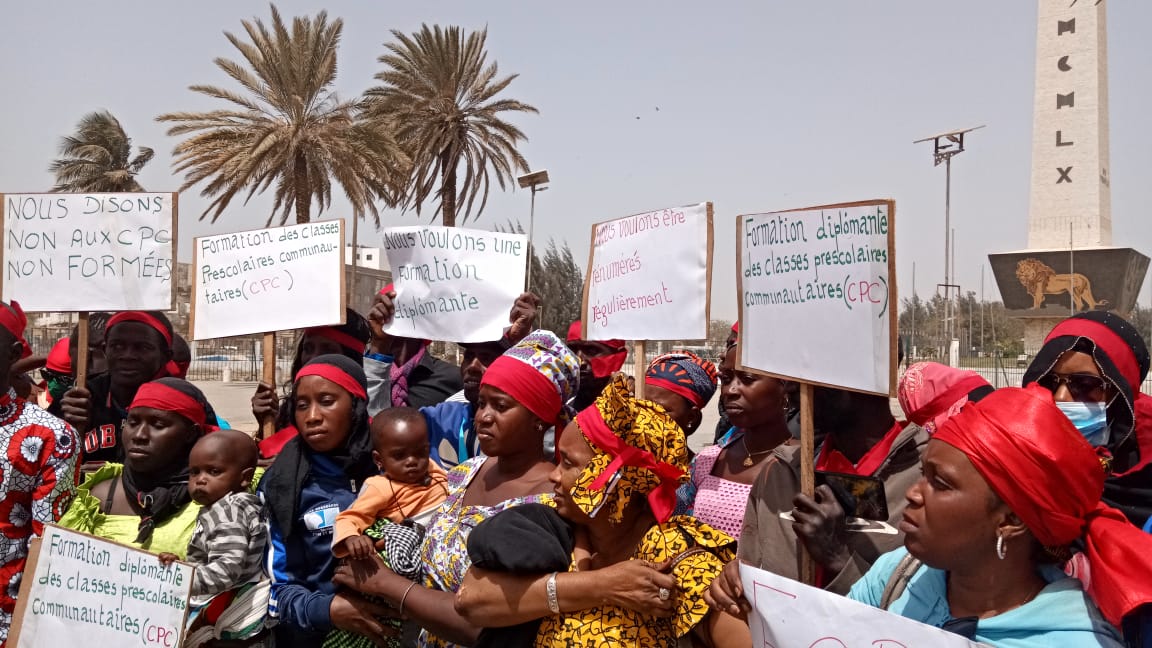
[(285, 479)]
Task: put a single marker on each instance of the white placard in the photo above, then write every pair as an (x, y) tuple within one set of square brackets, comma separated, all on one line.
[(89, 252), (786, 613), (454, 284), (79, 590), (818, 296), (649, 276), (268, 280)]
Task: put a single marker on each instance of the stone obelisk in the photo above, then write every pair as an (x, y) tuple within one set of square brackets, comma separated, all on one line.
[(1069, 265)]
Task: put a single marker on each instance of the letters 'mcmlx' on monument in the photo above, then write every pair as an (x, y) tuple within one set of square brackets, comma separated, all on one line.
[(1069, 265)]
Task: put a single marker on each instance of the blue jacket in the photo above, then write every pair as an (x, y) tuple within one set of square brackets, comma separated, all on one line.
[(302, 566), (451, 433)]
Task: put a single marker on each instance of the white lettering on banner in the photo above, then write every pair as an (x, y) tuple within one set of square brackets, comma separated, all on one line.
[(817, 283), (453, 284), (82, 590), (788, 614), (96, 251), (648, 276), (255, 281)]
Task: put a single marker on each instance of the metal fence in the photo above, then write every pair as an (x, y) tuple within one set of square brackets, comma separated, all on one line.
[(1003, 371)]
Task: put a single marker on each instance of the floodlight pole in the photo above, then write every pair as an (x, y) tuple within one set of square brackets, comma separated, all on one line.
[(532, 181)]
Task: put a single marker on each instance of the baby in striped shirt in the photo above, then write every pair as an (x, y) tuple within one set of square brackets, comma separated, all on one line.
[(227, 545)]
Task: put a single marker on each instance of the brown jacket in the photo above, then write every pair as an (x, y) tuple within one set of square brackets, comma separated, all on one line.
[(768, 541)]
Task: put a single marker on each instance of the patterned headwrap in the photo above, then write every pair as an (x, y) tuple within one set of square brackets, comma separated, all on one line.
[(541, 373), (1044, 470), (639, 450), (930, 393), (686, 374)]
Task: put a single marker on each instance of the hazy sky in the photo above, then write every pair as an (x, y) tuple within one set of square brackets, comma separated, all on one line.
[(762, 106)]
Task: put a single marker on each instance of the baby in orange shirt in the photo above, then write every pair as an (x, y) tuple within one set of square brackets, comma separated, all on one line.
[(409, 490)]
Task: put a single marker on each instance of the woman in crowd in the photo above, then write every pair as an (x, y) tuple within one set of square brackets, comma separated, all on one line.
[(1094, 364), (522, 394), (1008, 485), (930, 393), (722, 475), (621, 461), (348, 339), (145, 501), (315, 476), (682, 383)]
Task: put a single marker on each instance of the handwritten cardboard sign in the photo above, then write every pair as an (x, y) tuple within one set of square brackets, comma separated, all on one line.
[(649, 276), (786, 613), (268, 280), (86, 252), (79, 590), (454, 284), (817, 290)]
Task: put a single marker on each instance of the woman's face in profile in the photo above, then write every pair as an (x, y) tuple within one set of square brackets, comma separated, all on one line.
[(952, 513), (575, 453), (153, 439)]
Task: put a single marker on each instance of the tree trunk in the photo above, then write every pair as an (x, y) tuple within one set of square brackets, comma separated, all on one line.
[(448, 189), (303, 196)]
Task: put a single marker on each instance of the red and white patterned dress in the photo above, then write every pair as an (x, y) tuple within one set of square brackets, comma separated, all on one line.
[(39, 471)]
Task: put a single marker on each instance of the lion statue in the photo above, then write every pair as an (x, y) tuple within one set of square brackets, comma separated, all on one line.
[(1039, 279)]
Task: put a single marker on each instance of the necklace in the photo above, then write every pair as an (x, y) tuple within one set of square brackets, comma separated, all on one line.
[(748, 459)]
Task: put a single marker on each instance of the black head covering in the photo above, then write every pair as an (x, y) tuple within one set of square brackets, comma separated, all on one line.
[(158, 498), (1130, 487), (286, 477)]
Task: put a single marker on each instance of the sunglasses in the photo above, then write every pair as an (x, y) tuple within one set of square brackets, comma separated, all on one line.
[(1082, 387)]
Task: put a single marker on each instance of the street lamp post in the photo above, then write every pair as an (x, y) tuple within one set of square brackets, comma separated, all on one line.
[(946, 145), (533, 180)]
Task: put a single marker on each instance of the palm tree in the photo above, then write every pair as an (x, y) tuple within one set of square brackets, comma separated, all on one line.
[(439, 94), (289, 128), (98, 158)]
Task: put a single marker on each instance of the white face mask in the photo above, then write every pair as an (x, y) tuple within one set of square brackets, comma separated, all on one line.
[(1090, 418)]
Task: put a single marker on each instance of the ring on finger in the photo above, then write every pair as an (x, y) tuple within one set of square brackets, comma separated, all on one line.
[(663, 593)]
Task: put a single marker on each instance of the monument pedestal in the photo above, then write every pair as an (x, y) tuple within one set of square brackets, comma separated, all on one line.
[(1046, 286)]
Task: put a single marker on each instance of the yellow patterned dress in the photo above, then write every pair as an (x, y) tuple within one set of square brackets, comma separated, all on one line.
[(700, 553)]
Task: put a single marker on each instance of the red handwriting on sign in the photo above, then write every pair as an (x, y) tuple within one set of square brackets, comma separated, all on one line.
[(866, 291), (155, 635)]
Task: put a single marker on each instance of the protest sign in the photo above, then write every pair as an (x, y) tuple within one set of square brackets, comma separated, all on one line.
[(787, 613), (268, 280), (649, 276), (820, 283), (87, 252), (79, 590), (454, 284)]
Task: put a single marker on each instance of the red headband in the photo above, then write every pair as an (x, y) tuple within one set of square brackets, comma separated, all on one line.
[(527, 385), (14, 319), (339, 337), (576, 334), (1105, 338), (675, 388), (142, 318), (162, 397), (1044, 470), (333, 374), (662, 499)]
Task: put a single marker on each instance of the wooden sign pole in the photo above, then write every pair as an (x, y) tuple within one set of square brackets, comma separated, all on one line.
[(82, 350), (268, 425), (807, 473), (639, 365)]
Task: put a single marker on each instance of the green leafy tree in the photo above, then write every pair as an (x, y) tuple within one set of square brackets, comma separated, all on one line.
[(98, 158), (287, 128), (439, 92)]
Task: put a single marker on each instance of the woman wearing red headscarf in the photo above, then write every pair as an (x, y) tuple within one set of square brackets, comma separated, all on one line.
[(1008, 485), (1094, 364)]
